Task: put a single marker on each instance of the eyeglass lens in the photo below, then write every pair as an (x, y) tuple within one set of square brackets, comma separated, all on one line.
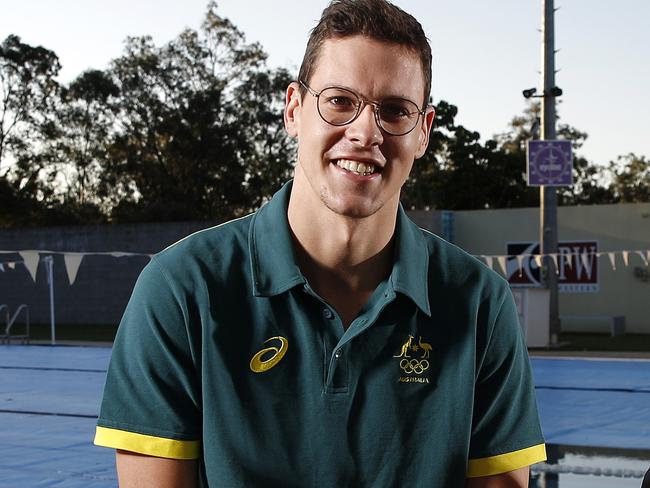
[(339, 106)]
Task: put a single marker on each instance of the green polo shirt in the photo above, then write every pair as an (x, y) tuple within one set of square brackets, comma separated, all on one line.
[(226, 354)]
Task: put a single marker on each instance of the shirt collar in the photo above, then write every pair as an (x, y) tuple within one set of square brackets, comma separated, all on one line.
[(410, 274), (274, 267)]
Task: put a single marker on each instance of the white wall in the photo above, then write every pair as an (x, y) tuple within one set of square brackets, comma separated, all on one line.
[(615, 227)]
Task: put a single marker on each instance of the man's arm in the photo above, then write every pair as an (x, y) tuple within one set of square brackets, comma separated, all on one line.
[(512, 479), (141, 471)]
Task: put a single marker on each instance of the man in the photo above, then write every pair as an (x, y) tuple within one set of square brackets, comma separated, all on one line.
[(325, 340)]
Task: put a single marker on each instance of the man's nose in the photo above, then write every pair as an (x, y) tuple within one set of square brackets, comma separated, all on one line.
[(364, 130)]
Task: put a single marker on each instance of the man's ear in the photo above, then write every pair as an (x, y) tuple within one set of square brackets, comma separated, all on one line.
[(292, 105), (425, 130)]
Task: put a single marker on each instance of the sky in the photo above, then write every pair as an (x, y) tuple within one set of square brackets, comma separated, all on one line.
[(485, 52)]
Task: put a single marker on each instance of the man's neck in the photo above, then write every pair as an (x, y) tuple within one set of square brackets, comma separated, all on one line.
[(343, 258)]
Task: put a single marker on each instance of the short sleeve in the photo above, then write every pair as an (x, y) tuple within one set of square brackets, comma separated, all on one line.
[(506, 432), (151, 403)]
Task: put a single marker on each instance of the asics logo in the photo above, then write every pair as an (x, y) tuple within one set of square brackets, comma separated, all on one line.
[(269, 356)]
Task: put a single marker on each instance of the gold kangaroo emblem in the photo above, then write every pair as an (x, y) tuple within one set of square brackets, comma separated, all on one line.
[(259, 365), (405, 348), (426, 347)]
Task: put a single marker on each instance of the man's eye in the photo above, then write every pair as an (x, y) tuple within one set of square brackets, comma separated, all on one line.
[(395, 110), (340, 101)]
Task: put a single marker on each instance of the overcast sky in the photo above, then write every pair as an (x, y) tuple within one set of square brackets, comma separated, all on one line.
[(485, 52)]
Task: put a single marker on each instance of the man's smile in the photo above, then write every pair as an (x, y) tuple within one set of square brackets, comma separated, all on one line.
[(357, 167)]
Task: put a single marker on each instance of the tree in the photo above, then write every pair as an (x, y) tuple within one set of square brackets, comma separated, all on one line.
[(269, 152), (424, 184), (87, 117), (459, 172), (26, 87), (630, 179), (197, 117), (589, 187), (28, 94)]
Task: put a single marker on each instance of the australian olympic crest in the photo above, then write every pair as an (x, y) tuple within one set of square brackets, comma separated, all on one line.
[(550, 163)]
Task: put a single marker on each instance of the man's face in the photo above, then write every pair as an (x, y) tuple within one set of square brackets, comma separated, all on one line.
[(375, 70)]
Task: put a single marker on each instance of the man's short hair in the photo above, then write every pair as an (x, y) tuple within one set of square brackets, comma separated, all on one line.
[(376, 19)]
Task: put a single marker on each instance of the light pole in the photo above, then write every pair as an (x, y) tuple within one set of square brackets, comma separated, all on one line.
[(548, 196)]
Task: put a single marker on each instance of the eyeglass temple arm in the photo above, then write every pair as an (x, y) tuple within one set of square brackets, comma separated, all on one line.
[(308, 88)]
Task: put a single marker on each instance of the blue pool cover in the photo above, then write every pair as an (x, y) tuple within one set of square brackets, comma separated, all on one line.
[(49, 399)]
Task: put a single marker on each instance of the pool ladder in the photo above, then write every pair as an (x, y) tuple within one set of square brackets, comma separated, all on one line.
[(6, 337)]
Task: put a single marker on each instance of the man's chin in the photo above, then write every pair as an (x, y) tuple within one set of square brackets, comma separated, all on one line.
[(353, 209)]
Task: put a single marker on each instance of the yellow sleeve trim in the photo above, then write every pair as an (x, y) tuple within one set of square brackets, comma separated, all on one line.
[(509, 461), (147, 444)]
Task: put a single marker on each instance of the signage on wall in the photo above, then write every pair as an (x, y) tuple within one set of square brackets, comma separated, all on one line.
[(577, 265)]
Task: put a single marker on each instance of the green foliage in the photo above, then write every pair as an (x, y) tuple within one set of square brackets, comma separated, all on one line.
[(460, 172), (192, 129), (191, 143), (630, 179)]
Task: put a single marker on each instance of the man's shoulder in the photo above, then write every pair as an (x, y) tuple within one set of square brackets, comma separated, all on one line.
[(455, 266), (218, 244)]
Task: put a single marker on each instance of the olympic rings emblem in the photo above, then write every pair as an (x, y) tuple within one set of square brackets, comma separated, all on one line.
[(414, 366)]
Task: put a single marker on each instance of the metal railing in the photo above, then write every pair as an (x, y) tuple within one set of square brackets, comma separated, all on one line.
[(10, 320)]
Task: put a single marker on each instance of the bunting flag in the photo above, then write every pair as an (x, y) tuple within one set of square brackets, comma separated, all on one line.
[(502, 264), (643, 257), (612, 260), (73, 260), (72, 263), (568, 262), (520, 264), (30, 260)]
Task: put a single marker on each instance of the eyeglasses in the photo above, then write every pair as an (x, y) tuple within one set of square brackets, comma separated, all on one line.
[(340, 106)]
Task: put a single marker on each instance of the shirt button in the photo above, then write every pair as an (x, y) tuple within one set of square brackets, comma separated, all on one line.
[(327, 313), (337, 354)]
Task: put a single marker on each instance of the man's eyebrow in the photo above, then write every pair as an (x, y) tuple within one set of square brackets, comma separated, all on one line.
[(385, 97)]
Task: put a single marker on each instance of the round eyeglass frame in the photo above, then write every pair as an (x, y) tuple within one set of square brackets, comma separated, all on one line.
[(360, 106)]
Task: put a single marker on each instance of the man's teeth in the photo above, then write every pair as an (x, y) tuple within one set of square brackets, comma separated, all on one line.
[(363, 169)]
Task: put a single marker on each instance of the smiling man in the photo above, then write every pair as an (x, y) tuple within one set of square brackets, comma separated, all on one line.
[(326, 340)]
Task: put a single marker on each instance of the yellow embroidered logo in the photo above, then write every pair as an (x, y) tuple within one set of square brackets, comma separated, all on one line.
[(259, 364), (414, 366)]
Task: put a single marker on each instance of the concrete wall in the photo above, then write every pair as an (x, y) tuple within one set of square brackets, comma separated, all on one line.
[(103, 284), (614, 227)]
